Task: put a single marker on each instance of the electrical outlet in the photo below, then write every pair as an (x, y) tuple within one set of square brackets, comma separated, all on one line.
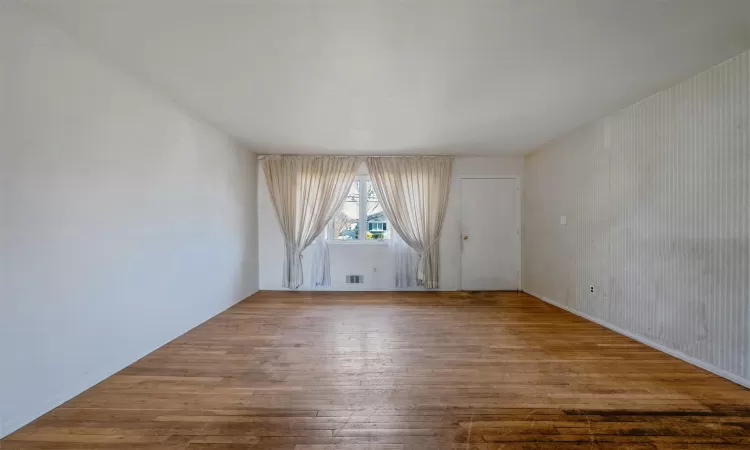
[(591, 288)]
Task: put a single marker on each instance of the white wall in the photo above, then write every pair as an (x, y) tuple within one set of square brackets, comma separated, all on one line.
[(362, 258), (124, 222), (656, 198)]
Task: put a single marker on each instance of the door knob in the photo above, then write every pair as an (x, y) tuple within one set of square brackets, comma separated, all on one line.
[(466, 238)]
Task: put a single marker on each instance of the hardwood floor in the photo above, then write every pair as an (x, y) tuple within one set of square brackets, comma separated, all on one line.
[(398, 371)]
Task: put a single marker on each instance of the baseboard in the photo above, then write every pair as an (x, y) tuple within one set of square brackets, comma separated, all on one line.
[(357, 289), (84, 383), (88, 380), (644, 340)]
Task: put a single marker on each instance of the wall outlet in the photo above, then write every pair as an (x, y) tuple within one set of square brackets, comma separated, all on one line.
[(591, 288)]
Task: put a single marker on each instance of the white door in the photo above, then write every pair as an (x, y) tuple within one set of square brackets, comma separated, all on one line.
[(490, 240)]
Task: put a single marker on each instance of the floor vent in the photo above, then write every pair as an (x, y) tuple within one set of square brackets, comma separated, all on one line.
[(355, 279)]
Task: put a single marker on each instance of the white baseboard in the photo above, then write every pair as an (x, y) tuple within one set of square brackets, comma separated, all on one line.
[(357, 289), (644, 340), (89, 379)]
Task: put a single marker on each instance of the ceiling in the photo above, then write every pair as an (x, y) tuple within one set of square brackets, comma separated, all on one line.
[(482, 77)]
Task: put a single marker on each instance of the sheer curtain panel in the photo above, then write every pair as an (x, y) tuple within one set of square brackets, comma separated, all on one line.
[(321, 264), (306, 191), (413, 191), (404, 262)]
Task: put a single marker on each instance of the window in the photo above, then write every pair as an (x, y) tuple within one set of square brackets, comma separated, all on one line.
[(361, 218)]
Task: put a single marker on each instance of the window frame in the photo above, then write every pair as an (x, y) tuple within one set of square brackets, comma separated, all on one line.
[(362, 238)]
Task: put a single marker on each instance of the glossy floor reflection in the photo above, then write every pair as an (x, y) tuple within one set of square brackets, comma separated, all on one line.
[(388, 371)]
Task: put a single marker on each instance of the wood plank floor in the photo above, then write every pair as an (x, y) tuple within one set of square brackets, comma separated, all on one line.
[(399, 371)]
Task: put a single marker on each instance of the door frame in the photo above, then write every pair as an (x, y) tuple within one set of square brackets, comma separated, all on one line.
[(518, 225)]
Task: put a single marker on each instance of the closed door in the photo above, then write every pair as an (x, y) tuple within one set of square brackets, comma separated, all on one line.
[(490, 240)]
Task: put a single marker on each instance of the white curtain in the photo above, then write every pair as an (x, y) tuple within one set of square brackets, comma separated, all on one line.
[(321, 264), (413, 191), (405, 261), (306, 191)]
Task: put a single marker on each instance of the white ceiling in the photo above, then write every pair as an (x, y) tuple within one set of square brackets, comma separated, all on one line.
[(405, 76)]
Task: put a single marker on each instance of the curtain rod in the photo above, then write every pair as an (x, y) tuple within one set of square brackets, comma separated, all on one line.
[(263, 155)]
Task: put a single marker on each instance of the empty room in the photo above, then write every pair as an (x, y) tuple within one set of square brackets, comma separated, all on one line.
[(374, 224)]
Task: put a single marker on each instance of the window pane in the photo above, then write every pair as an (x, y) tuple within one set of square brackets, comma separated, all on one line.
[(377, 225), (346, 221)]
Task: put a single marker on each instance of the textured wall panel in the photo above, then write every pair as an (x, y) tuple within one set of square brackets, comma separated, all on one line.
[(657, 202)]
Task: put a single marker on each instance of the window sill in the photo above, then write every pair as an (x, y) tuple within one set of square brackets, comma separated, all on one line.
[(356, 242)]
